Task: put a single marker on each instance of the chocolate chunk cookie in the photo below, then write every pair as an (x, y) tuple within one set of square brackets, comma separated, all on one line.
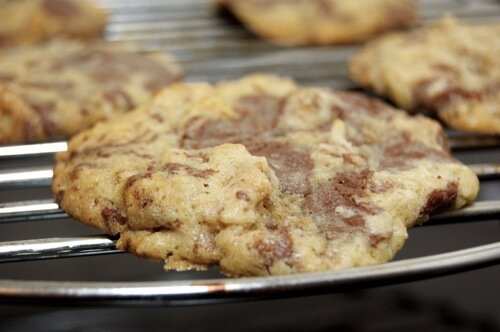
[(451, 67), (261, 177), (321, 22), (54, 90), (30, 21)]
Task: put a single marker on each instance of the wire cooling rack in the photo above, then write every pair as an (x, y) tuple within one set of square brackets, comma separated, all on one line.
[(214, 47)]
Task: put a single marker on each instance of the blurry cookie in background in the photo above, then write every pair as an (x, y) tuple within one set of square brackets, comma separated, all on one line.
[(321, 22), (450, 66), (29, 21), (54, 90)]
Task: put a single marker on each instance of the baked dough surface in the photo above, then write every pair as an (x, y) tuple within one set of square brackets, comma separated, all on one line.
[(54, 90), (321, 22), (450, 66), (30, 21), (261, 177)]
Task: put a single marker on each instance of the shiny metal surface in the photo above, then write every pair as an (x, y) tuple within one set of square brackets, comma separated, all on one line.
[(56, 248), (486, 171), (32, 149), (26, 177), (30, 210), (202, 291)]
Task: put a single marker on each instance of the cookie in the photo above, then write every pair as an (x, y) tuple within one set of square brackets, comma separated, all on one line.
[(261, 177), (29, 21), (54, 90), (451, 67), (321, 22)]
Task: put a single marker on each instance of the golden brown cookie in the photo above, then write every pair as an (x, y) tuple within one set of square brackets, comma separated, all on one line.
[(262, 177), (450, 66), (54, 90), (321, 22), (30, 21)]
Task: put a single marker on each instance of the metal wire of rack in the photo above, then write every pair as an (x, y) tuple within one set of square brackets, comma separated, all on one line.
[(212, 47)]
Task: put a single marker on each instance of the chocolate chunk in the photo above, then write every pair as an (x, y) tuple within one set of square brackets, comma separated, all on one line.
[(440, 200), (449, 93), (257, 115), (341, 191), (292, 166), (156, 84), (145, 202), (456, 93), (44, 110), (133, 179), (6, 77), (354, 221), (118, 97), (326, 7), (241, 195), (5, 40), (63, 8), (376, 239), (363, 104), (158, 117), (174, 168), (443, 141), (113, 219), (403, 151), (278, 246), (74, 175)]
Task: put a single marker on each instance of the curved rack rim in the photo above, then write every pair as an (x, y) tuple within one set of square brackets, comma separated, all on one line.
[(207, 290)]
